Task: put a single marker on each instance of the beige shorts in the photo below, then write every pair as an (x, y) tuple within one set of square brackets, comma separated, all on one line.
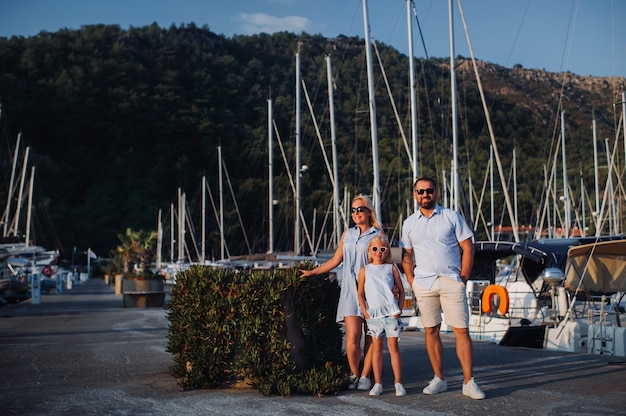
[(446, 295)]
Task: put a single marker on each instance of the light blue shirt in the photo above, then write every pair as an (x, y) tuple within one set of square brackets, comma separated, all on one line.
[(378, 287), (435, 243)]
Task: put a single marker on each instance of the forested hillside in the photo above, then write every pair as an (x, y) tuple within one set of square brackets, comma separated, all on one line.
[(118, 121)]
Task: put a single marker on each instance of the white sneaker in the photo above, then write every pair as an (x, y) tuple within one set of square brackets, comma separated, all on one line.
[(364, 384), (472, 390), (376, 390), (400, 390), (354, 380), (435, 386)]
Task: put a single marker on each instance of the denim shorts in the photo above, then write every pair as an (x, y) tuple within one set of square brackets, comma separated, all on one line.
[(388, 325)]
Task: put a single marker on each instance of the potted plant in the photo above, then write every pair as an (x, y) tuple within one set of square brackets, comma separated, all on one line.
[(136, 250), (140, 286)]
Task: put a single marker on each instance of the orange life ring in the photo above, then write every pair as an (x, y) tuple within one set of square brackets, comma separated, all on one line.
[(503, 294), (46, 271)]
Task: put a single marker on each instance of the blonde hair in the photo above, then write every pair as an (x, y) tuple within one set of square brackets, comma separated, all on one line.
[(369, 205), (382, 240)]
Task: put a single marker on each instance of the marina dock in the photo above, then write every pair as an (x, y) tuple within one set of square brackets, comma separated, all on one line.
[(82, 352)]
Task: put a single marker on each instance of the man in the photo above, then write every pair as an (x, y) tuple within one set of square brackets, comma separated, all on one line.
[(437, 259)]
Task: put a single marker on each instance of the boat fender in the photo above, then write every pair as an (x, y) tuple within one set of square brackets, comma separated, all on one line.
[(487, 300)]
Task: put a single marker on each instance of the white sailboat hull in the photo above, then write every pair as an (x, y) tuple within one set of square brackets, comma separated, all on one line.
[(580, 323)]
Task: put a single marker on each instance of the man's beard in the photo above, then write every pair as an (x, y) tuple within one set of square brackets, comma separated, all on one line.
[(427, 204)]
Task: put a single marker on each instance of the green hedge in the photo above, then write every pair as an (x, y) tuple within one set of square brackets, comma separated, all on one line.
[(271, 330)]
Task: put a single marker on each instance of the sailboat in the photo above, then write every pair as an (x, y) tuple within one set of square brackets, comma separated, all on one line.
[(20, 259), (543, 294)]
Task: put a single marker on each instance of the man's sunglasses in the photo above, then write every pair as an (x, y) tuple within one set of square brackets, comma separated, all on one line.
[(429, 191)]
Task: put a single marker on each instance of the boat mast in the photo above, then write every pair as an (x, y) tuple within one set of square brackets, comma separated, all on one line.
[(203, 253), (596, 215), (333, 140), (413, 96), (620, 224), (566, 200), (624, 122), (516, 224), (609, 162), (297, 235), (172, 238), (30, 206), (455, 140), (11, 182), (221, 194), (270, 156), (372, 108), (492, 204), (181, 225), (582, 204), (159, 242), (20, 195)]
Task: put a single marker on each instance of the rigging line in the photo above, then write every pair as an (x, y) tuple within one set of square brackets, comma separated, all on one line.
[(232, 194), (548, 191), (216, 214), (570, 34), (479, 202), (568, 44), (611, 168), (393, 105), (192, 234), (620, 183), (358, 179), (429, 78), (424, 79), (321, 142), (293, 187), (508, 60), (319, 86), (508, 184), (517, 34), (342, 56), (318, 134), (329, 210), (491, 133), (432, 79)]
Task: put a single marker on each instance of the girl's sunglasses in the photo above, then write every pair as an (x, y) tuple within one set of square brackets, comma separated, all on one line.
[(382, 249)]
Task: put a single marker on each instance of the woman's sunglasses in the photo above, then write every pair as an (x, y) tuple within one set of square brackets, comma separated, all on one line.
[(358, 209), (382, 249)]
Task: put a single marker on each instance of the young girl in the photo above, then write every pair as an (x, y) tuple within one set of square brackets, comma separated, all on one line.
[(382, 310)]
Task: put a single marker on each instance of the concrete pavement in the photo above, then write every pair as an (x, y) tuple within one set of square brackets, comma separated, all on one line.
[(82, 353)]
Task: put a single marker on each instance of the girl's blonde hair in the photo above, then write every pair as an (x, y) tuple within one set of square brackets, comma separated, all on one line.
[(370, 208), (382, 241)]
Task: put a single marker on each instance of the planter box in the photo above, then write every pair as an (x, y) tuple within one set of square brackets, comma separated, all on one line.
[(143, 293)]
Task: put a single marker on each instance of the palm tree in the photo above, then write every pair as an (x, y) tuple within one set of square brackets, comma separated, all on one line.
[(136, 249)]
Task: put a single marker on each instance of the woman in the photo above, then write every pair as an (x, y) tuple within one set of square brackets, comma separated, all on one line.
[(352, 251)]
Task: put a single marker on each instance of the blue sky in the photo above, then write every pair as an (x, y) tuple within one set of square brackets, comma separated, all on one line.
[(586, 37)]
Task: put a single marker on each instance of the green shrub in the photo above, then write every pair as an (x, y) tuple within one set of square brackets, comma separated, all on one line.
[(271, 330)]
